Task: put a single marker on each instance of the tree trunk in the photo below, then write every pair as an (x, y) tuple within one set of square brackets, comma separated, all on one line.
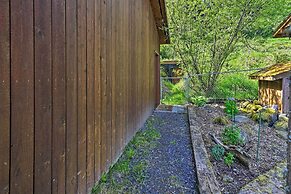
[(289, 144)]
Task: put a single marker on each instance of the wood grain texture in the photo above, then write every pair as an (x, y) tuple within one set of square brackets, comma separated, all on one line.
[(71, 97), (103, 87), (90, 94), (77, 82), (270, 93), (22, 97), (43, 96), (4, 96), (97, 89), (59, 96), (82, 96), (113, 82), (108, 101)]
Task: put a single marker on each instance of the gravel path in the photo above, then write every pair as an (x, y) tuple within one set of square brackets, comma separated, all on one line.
[(171, 163)]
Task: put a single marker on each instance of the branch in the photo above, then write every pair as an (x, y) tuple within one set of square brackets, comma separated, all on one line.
[(242, 156)]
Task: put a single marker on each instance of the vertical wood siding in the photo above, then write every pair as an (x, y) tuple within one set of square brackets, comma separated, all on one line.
[(270, 92), (78, 79), (285, 95)]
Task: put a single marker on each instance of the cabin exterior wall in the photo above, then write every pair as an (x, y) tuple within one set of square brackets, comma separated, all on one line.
[(78, 79)]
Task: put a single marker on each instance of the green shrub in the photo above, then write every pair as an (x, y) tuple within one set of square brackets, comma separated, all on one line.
[(232, 136), (237, 85), (199, 100), (217, 152), (229, 159), (174, 94), (231, 107)]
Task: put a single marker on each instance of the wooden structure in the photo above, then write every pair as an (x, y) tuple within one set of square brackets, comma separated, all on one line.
[(77, 79), (172, 69), (284, 29), (274, 85)]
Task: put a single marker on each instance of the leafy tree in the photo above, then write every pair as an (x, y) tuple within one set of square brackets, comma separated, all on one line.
[(272, 14), (205, 32)]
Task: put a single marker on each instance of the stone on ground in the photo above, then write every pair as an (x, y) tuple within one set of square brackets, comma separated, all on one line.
[(272, 181), (241, 119)]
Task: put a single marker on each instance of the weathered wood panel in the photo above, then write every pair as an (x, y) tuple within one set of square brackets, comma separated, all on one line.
[(103, 88), (90, 94), (43, 96), (285, 95), (4, 96), (79, 78), (82, 95), (59, 96), (108, 101), (270, 92), (22, 97), (71, 97), (97, 88)]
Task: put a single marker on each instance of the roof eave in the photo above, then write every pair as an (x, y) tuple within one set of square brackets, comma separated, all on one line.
[(263, 78), (279, 28), (160, 15)]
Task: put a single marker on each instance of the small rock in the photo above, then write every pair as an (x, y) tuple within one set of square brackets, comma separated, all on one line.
[(179, 109), (285, 172), (283, 117), (227, 179), (281, 125), (241, 119), (244, 136)]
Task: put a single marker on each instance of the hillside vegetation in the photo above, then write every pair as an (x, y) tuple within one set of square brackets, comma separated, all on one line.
[(258, 49)]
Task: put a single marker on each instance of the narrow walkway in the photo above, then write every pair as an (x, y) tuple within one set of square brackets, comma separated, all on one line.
[(159, 160), (171, 163)]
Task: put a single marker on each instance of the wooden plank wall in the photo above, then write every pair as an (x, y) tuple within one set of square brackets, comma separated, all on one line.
[(270, 92), (285, 93), (78, 78)]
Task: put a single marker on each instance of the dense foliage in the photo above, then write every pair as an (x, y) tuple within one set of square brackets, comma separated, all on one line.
[(230, 107), (199, 100), (232, 136), (173, 94), (229, 159), (199, 35), (205, 33), (217, 152)]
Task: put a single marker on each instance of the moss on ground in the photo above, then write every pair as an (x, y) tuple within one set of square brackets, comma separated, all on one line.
[(124, 175), (222, 120)]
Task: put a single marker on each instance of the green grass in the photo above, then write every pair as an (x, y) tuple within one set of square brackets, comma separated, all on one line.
[(238, 86), (126, 173), (175, 94), (262, 52)]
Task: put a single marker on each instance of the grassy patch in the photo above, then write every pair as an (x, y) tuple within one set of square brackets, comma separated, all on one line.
[(174, 94), (129, 170), (238, 86), (253, 54)]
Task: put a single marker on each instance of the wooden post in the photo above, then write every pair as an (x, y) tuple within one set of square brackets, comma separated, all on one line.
[(158, 81), (288, 191)]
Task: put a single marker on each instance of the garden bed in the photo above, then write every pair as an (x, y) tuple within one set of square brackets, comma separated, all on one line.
[(232, 178)]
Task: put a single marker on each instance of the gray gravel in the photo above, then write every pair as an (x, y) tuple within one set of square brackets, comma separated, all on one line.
[(171, 163)]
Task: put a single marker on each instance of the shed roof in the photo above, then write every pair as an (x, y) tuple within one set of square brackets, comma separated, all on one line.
[(280, 30), (169, 62), (273, 72), (160, 14)]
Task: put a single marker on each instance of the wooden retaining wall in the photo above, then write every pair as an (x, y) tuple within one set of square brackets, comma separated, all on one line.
[(77, 80)]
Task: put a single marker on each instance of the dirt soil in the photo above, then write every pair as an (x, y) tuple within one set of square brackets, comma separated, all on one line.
[(272, 149)]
